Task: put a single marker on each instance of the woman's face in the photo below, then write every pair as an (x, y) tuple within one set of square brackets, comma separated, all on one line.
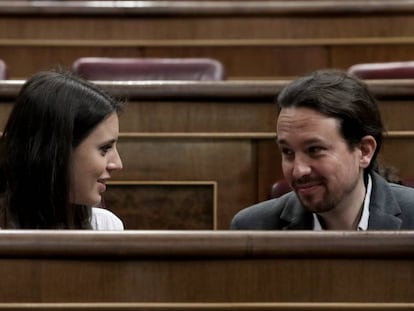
[(93, 160)]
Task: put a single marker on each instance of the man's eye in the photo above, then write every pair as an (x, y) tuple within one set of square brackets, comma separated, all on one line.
[(315, 150), (286, 152)]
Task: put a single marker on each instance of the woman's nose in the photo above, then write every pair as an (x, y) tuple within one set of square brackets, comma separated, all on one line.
[(115, 163)]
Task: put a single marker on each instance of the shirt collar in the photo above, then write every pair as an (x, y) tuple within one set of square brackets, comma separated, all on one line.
[(363, 221)]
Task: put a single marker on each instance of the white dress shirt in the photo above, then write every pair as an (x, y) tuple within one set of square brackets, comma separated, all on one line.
[(363, 221)]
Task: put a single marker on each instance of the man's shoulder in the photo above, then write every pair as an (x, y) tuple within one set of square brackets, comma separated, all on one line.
[(264, 215), (390, 196), (399, 192), (402, 193), (397, 201)]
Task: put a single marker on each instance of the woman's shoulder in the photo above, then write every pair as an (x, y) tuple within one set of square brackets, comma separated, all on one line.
[(102, 219)]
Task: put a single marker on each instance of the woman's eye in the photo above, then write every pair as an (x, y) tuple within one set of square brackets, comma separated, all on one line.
[(105, 149)]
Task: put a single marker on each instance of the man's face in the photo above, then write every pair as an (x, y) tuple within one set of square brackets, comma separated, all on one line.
[(316, 160)]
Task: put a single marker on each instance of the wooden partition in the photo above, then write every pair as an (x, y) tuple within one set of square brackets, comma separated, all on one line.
[(253, 39), (195, 153), (206, 270)]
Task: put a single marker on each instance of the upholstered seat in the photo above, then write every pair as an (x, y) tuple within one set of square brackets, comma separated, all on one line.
[(386, 70), (279, 188), (101, 68), (3, 70)]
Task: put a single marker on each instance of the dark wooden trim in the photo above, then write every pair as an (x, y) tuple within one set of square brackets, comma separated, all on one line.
[(206, 8), (214, 244), (205, 306), (242, 42), (236, 89)]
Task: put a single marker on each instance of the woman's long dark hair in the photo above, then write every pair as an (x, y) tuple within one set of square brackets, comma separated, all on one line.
[(53, 113)]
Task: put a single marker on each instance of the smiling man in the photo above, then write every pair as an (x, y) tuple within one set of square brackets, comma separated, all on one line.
[(329, 132)]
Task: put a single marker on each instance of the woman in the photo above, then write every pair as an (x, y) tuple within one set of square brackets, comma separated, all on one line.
[(58, 149)]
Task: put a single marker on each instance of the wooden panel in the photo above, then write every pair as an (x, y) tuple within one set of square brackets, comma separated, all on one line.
[(398, 152), (397, 114), (164, 205), (203, 23), (207, 115), (205, 107), (227, 161), (269, 168), (206, 280), (262, 39), (242, 59), (345, 56), (274, 306), (239, 61), (235, 270)]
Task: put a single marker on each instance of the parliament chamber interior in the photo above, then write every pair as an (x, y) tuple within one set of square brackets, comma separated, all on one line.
[(197, 141)]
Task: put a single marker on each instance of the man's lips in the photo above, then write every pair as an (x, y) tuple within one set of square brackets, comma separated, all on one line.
[(307, 188)]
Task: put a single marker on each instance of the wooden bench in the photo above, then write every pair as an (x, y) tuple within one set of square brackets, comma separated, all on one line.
[(195, 153), (206, 270)]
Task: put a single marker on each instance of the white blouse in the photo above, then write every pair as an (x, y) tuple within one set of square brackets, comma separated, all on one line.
[(102, 219)]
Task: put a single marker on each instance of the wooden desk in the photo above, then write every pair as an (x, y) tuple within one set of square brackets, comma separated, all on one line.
[(205, 270), (195, 153), (253, 39)]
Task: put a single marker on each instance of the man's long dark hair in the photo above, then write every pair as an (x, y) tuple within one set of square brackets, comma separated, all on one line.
[(53, 113), (341, 96)]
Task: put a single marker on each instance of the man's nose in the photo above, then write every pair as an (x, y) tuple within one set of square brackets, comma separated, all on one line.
[(301, 167)]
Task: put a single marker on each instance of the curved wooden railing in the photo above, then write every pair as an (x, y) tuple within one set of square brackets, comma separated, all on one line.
[(205, 270), (258, 89)]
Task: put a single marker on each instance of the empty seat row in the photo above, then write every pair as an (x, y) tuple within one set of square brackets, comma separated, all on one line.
[(198, 69), (107, 68)]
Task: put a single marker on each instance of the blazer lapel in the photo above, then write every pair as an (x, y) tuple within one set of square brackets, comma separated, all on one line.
[(295, 216), (384, 209)]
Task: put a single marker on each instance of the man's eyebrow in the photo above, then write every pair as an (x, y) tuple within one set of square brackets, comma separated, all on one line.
[(281, 141), (309, 141)]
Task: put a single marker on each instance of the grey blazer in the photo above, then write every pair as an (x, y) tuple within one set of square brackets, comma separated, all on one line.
[(391, 208)]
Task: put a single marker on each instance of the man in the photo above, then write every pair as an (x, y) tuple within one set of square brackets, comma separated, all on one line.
[(329, 132)]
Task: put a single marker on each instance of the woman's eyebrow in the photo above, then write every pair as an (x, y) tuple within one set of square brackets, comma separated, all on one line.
[(109, 141)]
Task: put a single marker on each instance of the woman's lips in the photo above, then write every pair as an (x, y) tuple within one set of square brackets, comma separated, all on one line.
[(101, 185)]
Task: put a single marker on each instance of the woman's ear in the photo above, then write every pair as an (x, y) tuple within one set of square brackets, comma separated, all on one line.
[(368, 145)]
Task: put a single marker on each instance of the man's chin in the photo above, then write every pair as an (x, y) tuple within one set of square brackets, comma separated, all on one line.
[(317, 208), (310, 205)]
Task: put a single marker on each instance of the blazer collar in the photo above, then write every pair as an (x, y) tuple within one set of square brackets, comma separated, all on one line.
[(295, 216), (384, 209)]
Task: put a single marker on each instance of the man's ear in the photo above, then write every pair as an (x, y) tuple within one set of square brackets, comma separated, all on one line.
[(368, 145)]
